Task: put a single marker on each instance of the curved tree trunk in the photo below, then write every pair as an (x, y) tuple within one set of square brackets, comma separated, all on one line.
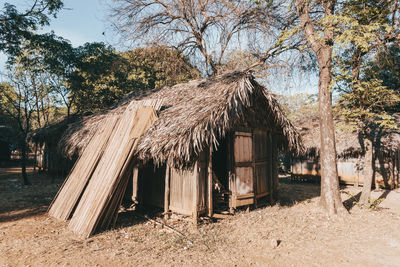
[(368, 173)]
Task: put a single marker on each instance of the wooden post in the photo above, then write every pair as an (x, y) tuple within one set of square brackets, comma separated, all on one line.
[(209, 184), (270, 164), (135, 173), (253, 164), (195, 193), (166, 191), (275, 178)]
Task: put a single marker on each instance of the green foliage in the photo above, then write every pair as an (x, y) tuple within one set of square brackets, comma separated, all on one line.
[(299, 106), (374, 204), (18, 26), (158, 66), (367, 104), (103, 76), (386, 66), (367, 65)]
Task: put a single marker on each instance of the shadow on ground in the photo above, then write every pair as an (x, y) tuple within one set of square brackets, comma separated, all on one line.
[(18, 201), (290, 195)]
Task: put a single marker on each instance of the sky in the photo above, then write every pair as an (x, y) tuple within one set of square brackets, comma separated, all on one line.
[(82, 21)]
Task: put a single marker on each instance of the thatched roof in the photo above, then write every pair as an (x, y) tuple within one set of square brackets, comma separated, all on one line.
[(348, 142), (52, 132), (194, 115)]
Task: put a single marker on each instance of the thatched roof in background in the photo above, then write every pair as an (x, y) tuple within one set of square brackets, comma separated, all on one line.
[(52, 133), (348, 143), (194, 115)]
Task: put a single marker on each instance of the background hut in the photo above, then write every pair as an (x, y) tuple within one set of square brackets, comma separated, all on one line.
[(48, 156), (350, 154), (224, 130)]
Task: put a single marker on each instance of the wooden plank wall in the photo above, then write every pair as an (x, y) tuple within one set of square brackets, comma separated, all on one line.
[(181, 191), (183, 184), (202, 183)]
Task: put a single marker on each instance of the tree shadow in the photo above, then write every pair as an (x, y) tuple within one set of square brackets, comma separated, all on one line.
[(352, 201), (18, 201), (384, 194), (293, 192), (22, 214)]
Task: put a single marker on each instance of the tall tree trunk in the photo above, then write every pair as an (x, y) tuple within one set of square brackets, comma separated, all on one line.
[(368, 173), (330, 194), (322, 47)]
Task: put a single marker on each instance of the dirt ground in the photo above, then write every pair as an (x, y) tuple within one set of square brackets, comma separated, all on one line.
[(293, 233)]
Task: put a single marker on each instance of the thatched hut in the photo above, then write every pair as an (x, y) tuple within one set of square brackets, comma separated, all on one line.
[(350, 154), (45, 144), (224, 130)]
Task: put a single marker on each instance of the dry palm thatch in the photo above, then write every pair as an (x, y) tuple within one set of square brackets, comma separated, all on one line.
[(195, 115)]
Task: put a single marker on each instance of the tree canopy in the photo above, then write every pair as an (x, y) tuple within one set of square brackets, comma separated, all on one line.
[(103, 76), (17, 26)]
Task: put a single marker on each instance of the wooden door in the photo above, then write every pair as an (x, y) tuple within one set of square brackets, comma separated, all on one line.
[(242, 180), (262, 160), (252, 167)]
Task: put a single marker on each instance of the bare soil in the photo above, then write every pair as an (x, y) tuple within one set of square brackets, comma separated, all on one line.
[(295, 232)]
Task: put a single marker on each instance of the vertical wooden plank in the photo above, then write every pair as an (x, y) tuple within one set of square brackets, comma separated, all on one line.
[(195, 191), (275, 178), (135, 174), (270, 166), (166, 193), (254, 155), (209, 185)]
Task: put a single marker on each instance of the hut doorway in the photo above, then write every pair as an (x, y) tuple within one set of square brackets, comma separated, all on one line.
[(220, 168), (150, 185)]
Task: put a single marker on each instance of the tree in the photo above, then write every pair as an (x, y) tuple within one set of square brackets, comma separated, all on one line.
[(16, 27), (366, 109), (205, 29), (368, 92), (102, 76), (158, 66), (299, 106), (29, 97), (17, 101), (329, 26), (321, 41)]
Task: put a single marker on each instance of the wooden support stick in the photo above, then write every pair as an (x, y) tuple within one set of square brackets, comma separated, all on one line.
[(166, 191), (195, 193), (275, 176), (135, 174), (209, 185)]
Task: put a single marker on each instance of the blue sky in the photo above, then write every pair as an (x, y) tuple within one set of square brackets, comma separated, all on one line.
[(81, 21)]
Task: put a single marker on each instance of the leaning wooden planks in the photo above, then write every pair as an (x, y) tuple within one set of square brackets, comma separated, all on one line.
[(97, 203), (69, 194)]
